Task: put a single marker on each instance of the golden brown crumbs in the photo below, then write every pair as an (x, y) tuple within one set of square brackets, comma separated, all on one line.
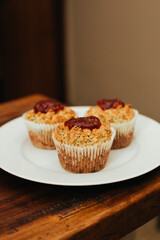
[(115, 115), (83, 137), (50, 117)]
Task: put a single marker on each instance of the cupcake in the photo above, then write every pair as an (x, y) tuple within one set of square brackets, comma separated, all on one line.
[(42, 120), (83, 144), (121, 117)]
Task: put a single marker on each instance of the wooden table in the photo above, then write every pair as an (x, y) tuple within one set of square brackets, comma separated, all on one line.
[(30, 210)]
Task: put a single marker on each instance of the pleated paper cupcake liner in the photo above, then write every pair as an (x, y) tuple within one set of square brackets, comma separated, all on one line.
[(124, 132), (84, 159), (41, 134)]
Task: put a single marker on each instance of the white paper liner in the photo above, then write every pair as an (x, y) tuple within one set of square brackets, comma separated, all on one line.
[(126, 127), (42, 133), (91, 153)]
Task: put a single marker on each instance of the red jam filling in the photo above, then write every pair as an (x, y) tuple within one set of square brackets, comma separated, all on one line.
[(83, 122), (109, 103), (45, 105)]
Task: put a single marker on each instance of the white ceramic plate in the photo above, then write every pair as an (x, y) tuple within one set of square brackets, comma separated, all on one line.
[(19, 157)]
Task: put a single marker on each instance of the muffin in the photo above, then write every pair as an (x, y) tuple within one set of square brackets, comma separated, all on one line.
[(42, 120), (83, 144), (121, 117)]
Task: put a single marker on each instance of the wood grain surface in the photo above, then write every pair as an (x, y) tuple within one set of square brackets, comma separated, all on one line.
[(30, 210), (15, 108)]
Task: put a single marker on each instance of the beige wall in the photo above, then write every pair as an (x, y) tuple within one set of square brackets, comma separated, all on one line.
[(113, 50)]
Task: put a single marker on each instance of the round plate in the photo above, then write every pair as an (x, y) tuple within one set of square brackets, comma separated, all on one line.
[(19, 157)]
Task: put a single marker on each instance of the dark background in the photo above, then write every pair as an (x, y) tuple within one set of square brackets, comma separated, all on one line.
[(31, 48)]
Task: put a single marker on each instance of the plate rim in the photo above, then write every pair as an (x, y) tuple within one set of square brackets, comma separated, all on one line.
[(75, 184)]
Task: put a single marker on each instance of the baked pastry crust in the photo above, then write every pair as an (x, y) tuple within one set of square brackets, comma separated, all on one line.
[(83, 150), (41, 125), (121, 118)]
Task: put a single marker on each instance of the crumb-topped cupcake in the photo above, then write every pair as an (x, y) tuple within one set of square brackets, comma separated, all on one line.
[(42, 120), (121, 117), (83, 144)]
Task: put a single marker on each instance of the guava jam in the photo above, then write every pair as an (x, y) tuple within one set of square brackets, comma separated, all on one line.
[(109, 103), (83, 123), (45, 105)]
